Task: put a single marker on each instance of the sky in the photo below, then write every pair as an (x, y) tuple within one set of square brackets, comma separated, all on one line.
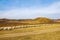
[(27, 9)]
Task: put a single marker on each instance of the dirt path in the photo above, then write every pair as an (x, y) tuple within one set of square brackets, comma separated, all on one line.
[(29, 33)]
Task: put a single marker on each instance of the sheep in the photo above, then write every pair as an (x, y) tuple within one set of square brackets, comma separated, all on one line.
[(4, 28), (17, 27), (12, 27), (1, 28), (9, 28), (21, 26)]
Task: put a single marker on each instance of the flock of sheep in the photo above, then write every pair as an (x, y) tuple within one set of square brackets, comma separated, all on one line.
[(16, 27), (25, 26)]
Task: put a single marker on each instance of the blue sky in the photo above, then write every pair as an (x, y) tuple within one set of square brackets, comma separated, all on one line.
[(22, 9)]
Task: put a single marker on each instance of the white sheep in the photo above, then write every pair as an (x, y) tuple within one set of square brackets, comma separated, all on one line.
[(9, 28), (22, 26), (1, 28), (13, 27), (17, 26), (4, 28)]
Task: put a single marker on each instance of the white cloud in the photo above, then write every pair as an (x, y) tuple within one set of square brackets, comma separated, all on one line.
[(32, 12)]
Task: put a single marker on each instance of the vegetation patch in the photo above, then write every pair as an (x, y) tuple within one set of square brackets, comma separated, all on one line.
[(44, 36)]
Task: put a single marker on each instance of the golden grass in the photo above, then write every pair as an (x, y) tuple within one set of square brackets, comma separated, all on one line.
[(44, 36), (30, 29)]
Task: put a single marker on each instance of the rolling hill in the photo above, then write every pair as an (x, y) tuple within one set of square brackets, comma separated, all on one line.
[(38, 20)]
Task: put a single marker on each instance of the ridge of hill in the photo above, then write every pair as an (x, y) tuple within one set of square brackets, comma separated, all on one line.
[(38, 20)]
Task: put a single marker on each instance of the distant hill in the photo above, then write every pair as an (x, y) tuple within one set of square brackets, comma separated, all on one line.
[(57, 20), (44, 20), (38, 20)]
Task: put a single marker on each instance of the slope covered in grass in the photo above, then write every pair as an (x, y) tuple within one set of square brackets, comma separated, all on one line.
[(15, 22), (44, 36), (31, 29)]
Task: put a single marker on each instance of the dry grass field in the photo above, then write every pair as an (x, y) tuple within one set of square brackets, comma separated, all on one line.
[(47, 30), (55, 35), (30, 29), (44, 36)]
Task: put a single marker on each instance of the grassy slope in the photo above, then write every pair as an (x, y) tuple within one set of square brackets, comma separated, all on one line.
[(43, 27), (44, 36)]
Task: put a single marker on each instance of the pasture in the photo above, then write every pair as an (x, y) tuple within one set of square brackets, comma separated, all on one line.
[(44, 36), (30, 29)]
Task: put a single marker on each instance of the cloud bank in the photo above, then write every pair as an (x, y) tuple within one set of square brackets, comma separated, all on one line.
[(33, 12)]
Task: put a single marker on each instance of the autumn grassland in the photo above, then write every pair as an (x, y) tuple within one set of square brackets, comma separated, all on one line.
[(46, 29)]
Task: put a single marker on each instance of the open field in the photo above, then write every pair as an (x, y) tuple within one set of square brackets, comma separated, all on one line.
[(44, 36), (29, 33), (42, 32), (30, 29)]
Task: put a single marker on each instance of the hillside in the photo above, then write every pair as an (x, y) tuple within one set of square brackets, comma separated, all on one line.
[(13, 22), (44, 20)]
